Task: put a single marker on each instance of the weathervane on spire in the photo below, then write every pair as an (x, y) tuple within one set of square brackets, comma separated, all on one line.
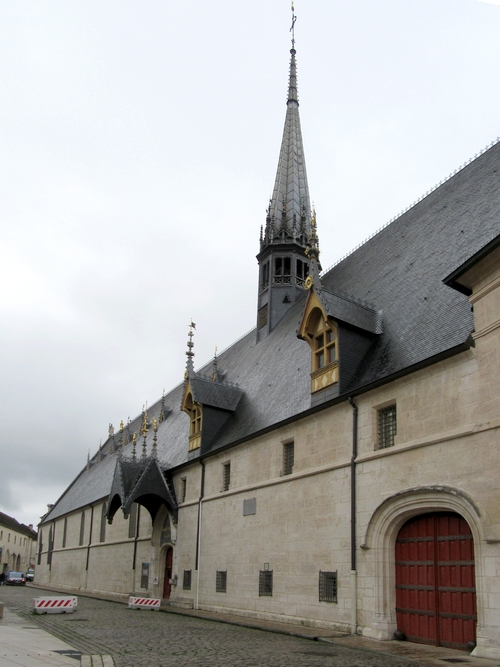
[(292, 29)]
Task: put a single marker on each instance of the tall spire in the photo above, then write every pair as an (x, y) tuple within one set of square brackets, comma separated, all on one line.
[(288, 215), (283, 262)]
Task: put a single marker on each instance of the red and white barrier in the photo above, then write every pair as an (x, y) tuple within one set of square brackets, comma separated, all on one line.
[(144, 603), (54, 605)]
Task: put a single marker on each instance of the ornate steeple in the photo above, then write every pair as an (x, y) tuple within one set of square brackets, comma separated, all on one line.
[(283, 262)]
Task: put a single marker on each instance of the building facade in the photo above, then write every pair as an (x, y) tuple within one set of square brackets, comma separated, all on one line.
[(337, 466), (17, 545)]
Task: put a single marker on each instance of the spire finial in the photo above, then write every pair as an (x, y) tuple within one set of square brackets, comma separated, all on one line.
[(312, 251), (292, 29), (155, 443), (134, 441), (190, 353), (215, 375)]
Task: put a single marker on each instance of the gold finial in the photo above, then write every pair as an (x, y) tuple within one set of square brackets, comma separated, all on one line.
[(121, 426), (155, 425)]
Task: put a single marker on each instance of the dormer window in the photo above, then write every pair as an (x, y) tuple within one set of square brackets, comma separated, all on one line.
[(320, 331), (325, 347), (195, 418)]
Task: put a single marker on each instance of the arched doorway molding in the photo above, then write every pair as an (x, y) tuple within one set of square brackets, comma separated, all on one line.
[(163, 538), (380, 541)]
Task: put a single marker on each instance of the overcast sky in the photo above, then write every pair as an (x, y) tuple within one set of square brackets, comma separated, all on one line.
[(138, 149)]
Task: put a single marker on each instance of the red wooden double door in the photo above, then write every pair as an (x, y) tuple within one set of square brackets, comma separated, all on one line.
[(435, 580)]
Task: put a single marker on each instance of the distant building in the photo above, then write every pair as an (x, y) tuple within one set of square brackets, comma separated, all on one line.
[(17, 545), (338, 466)]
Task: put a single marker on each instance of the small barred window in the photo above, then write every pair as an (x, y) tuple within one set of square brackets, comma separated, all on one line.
[(288, 458), (266, 583), (328, 586), (226, 476), (186, 580), (183, 489), (387, 427), (221, 581)]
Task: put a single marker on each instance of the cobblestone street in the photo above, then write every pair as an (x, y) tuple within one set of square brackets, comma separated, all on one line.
[(151, 639)]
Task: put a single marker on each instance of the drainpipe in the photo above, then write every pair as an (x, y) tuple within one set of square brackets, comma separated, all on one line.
[(198, 536), (354, 601)]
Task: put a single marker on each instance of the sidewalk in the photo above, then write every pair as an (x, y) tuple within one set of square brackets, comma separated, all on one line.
[(26, 645)]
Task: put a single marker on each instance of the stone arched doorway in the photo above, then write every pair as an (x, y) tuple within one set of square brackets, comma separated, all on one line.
[(435, 581)]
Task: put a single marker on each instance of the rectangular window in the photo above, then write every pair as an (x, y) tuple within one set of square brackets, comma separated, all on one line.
[(186, 580), (40, 548), (288, 457), (183, 489), (387, 427), (266, 583), (226, 476), (65, 532), (145, 575), (132, 520), (328, 586), (221, 581)]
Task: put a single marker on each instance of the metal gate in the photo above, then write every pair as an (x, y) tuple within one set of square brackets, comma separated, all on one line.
[(435, 581)]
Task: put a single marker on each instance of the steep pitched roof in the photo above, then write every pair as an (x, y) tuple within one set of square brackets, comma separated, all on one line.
[(399, 271)]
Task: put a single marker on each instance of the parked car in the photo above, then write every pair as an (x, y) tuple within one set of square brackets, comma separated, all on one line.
[(30, 574), (15, 579)]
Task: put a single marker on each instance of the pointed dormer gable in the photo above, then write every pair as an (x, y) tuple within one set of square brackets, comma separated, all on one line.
[(195, 412), (339, 331)]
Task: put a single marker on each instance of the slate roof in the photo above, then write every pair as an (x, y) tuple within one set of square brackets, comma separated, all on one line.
[(9, 522), (399, 271), (216, 394)]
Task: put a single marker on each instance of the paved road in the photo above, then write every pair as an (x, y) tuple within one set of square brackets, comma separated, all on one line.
[(151, 639)]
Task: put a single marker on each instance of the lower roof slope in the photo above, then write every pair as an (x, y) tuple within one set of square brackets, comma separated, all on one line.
[(399, 272)]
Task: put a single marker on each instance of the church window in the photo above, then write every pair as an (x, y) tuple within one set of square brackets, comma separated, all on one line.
[(102, 536), (82, 528), (50, 546), (186, 580), (65, 532), (132, 520), (387, 426), (288, 457), (182, 497), (328, 586), (40, 547), (221, 581), (226, 476), (266, 583)]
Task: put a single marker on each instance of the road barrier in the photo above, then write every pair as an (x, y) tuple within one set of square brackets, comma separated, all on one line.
[(54, 605), (144, 603)]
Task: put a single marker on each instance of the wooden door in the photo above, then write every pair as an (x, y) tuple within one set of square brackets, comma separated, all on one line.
[(167, 587), (435, 581)]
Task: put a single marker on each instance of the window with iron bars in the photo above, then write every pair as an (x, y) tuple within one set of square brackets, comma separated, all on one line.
[(226, 476), (221, 581), (327, 586), (387, 426), (186, 580), (266, 583), (288, 457), (183, 489)]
